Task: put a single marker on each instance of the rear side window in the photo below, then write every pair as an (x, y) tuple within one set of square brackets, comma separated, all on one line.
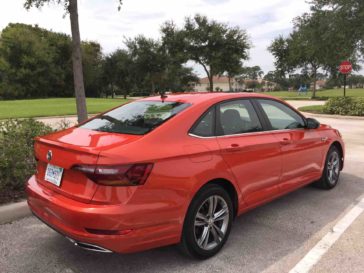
[(136, 118), (281, 116), (205, 126), (237, 117)]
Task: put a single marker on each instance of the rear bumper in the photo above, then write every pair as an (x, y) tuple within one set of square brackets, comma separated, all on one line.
[(71, 218)]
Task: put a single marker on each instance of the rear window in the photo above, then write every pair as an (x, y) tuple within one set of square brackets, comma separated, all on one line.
[(136, 118)]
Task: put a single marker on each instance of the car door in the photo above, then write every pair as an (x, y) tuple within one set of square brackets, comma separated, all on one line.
[(301, 148), (252, 154)]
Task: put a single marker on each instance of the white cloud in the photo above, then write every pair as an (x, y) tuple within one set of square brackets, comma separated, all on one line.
[(101, 21)]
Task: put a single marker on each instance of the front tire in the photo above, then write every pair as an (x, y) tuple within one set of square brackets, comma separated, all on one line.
[(331, 173), (208, 222)]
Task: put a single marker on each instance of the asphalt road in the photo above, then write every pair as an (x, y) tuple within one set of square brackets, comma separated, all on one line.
[(272, 238)]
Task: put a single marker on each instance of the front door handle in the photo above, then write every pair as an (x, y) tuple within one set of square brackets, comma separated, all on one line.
[(285, 141)]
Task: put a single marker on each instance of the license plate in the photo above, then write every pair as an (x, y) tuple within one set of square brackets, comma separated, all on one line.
[(54, 174)]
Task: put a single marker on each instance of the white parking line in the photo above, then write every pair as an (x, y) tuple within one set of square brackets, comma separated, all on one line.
[(316, 253)]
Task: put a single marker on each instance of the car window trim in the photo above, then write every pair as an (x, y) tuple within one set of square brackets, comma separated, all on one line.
[(248, 134), (264, 115), (213, 108), (261, 115), (217, 115), (218, 124)]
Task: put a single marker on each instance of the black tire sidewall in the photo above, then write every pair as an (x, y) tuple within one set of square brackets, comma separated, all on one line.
[(188, 238)]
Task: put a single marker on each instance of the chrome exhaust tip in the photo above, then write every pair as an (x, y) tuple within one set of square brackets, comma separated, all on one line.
[(89, 247)]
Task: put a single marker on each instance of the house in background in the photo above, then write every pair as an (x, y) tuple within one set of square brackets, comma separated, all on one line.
[(320, 84), (221, 83)]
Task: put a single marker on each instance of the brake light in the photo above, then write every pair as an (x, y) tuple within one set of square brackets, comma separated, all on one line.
[(117, 175)]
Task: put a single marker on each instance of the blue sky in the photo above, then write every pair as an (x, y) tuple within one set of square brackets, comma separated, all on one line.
[(100, 21)]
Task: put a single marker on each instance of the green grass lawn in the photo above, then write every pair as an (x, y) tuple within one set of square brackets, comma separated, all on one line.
[(52, 107), (320, 95)]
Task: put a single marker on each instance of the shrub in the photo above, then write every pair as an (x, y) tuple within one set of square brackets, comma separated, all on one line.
[(344, 106), (17, 162)]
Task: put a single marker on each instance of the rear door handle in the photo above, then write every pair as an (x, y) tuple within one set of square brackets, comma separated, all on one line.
[(234, 148), (285, 141)]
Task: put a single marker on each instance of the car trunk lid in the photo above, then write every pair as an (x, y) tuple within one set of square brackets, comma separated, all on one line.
[(72, 147)]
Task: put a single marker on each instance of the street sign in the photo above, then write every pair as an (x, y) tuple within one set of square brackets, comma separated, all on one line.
[(345, 67)]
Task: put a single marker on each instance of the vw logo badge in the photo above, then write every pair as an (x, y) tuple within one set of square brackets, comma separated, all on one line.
[(49, 155)]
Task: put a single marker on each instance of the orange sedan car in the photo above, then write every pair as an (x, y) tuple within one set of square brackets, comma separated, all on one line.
[(177, 170)]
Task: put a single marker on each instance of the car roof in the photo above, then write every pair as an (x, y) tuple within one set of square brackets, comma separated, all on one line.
[(199, 97)]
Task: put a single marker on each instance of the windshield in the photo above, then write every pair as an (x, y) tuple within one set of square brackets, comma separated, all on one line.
[(136, 118)]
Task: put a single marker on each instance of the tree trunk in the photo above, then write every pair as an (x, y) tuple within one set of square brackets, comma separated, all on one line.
[(153, 87), (211, 81), (230, 89), (314, 82), (209, 76), (77, 63)]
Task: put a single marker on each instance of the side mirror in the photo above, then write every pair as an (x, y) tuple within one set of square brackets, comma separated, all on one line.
[(312, 123)]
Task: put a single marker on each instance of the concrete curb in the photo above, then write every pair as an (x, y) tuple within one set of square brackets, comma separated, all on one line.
[(332, 116), (14, 211)]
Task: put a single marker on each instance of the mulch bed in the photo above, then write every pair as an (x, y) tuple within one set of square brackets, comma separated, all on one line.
[(7, 196)]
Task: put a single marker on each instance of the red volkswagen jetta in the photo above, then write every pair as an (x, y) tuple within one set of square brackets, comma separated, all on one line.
[(177, 170)]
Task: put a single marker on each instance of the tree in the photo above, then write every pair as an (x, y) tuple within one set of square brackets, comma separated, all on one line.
[(92, 67), (154, 69), (314, 45), (280, 50), (37, 63), (72, 8), (149, 60), (347, 17), (252, 72), (209, 43), (118, 73), (33, 62)]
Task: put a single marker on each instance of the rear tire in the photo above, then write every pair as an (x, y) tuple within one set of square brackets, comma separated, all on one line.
[(331, 173), (208, 222)]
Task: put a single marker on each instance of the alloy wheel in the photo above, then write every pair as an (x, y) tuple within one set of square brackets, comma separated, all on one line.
[(333, 168), (211, 222)]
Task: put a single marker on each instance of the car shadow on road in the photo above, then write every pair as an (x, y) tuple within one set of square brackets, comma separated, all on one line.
[(259, 238)]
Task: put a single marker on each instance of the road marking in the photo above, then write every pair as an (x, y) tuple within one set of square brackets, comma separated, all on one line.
[(316, 253)]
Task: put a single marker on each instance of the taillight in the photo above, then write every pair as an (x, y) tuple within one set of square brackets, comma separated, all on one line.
[(117, 175)]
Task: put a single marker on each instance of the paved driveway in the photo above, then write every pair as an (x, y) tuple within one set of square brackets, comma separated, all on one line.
[(272, 238)]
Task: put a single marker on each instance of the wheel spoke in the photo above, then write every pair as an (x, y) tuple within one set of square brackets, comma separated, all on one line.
[(212, 205), (330, 175), (199, 223), (205, 237), (218, 230), (201, 217), (218, 216), (336, 162), (215, 235)]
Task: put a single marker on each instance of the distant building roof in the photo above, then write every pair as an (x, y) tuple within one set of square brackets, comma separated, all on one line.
[(321, 82), (216, 79)]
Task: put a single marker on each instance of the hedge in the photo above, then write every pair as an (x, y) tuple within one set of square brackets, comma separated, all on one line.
[(347, 106)]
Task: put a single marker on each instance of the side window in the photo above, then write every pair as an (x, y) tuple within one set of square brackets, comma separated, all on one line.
[(237, 117), (281, 116), (206, 125)]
